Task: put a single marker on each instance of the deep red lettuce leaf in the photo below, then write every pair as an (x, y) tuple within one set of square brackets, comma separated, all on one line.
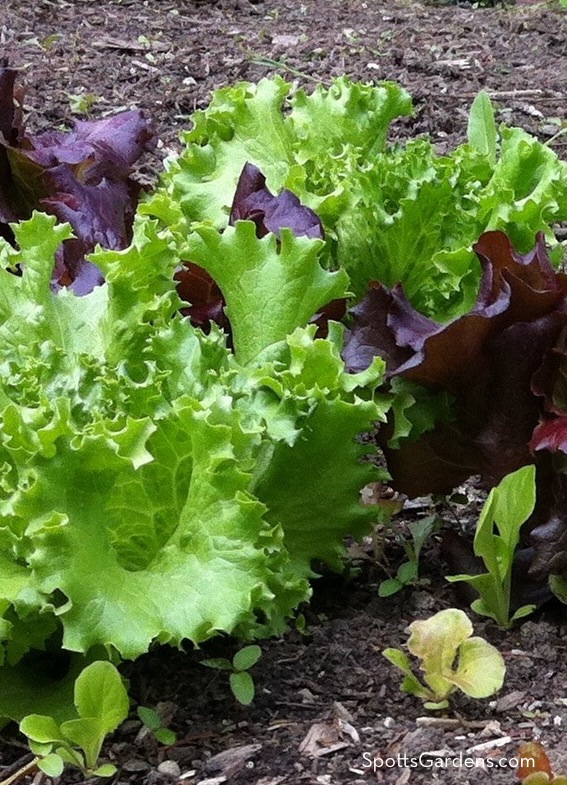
[(334, 311), (82, 176), (505, 365), (205, 301), (10, 106), (11, 131), (550, 434)]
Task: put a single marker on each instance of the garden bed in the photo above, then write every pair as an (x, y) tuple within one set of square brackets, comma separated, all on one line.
[(327, 703)]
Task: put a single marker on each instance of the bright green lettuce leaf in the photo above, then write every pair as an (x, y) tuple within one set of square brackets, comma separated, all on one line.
[(497, 536), (289, 487), (508, 506), (101, 703), (207, 569), (415, 410), (100, 694), (347, 113), (418, 215), (41, 728), (279, 285), (410, 683), (527, 191), (436, 642), (242, 123), (311, 143), (481, 668)]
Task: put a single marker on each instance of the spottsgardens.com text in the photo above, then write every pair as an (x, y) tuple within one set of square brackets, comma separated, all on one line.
[(428, 761)]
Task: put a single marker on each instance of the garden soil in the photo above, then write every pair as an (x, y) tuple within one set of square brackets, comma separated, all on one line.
[(328, 709)]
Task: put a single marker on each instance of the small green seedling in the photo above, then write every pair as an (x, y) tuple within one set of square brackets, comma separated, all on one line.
[(82, 103), (154, 723), (450, 660), (102, 705), (408, 571), (241, 682), (482, 132), (497, 536)]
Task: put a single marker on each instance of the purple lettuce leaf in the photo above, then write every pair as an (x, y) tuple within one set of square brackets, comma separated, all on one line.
[(100, 214), (254, 202), (96, 149), (82, 176)]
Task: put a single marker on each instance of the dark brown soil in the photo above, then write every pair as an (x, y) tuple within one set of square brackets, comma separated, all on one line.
[(327, 702)]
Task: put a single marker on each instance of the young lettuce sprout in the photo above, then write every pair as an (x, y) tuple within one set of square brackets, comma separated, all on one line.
[(450, 660), (101, 703), (497, 536)]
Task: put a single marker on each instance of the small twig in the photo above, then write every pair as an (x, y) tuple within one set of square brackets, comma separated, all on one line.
[(17, 764), (490, 745), (528, 93), (450, 723), (537, 96), (269, 63), (27, 768), (556, 136)]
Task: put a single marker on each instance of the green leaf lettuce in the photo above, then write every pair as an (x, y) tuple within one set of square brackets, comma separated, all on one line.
[(152, 486)]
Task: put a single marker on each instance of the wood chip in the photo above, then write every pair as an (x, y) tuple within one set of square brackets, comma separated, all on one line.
[(451, 723), (285, 41), (127, 45), (135, 765), (232, 760), (323, 739), (489, 745), (510, 701)]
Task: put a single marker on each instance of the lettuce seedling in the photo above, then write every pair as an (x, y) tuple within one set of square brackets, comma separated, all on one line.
[(408, 572), (153, 721), (102, 705), (241, 682), (450, 660), (508, 506)]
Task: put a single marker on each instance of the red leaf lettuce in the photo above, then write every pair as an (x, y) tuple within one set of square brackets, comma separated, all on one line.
[(504, 366), (81, 176)]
